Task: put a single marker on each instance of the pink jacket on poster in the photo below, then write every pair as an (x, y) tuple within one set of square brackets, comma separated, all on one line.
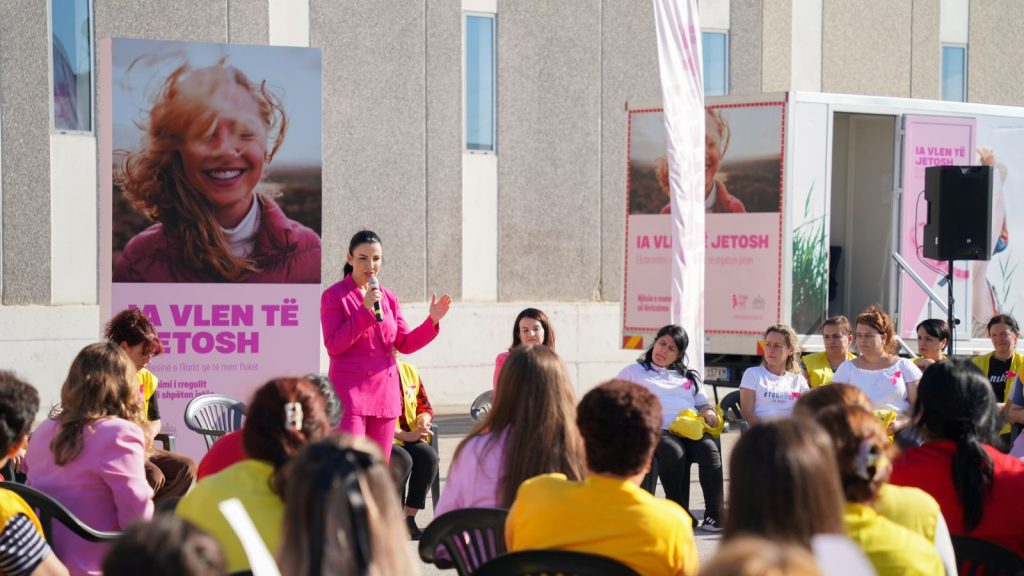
[(727, 203), (105, 485), (363, 367), (288, 252)]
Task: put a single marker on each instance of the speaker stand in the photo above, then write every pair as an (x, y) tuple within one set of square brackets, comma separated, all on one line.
[(950, 319)]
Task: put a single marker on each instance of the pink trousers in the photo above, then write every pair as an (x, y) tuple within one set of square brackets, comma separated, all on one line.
[(380, 430)]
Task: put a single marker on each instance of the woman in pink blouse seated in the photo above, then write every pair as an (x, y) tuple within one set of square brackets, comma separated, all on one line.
[(530, 430), (91, 457), (531, 327)]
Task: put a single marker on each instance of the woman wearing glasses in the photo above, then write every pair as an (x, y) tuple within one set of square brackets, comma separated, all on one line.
[(771, 389), (889, 381)]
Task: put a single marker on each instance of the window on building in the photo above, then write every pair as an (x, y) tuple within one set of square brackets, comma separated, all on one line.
[(71, 48), (716, 63), (954, 73), (479, 82)]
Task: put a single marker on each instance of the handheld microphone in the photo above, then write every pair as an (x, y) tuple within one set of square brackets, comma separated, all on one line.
[(376, 305)]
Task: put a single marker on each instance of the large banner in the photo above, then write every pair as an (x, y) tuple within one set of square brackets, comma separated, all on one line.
[(211, 212), (743, 222), (929, 141)]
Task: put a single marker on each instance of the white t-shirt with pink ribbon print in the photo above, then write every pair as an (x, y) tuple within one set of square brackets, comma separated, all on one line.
[(774, 395)]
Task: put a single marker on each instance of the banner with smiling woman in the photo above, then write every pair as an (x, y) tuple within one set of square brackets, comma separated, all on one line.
[(211, 210)]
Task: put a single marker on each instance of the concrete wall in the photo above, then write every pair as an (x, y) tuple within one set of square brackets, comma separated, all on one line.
[(994, 52), (926, 51), (866, 47), (745, 46)]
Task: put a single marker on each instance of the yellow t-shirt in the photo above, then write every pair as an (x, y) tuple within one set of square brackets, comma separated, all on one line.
[(11, 505), (819, 371), (910, 507), (249, 481), (891, 548), (147, 386), (606, 516)]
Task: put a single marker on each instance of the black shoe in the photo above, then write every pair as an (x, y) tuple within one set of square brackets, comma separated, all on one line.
[(710, 525), (414, 530)]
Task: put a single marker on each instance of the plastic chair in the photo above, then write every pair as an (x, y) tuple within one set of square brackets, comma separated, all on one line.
[(470, 536), (530, 562), (214, 415), (732, 410), (976, 557), (47, 509), (481, 406)]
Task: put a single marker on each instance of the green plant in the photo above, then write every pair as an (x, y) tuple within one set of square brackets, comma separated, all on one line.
[(810, 270), (1007, 273)]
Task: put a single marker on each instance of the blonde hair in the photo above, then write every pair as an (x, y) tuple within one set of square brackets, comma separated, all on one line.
[(793, 360), (322, 481), (153, 179), (750, 556), (100, 384)]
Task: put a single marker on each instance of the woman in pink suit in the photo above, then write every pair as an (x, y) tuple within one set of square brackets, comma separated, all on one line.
[(92, 456), (363, 367)]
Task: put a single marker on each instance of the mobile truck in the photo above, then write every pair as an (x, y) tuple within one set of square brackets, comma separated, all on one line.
[(818, 209)]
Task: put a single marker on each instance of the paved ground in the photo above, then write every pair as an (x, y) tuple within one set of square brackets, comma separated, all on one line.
[(454, 422)]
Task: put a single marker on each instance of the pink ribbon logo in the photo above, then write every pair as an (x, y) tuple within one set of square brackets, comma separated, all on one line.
[(895, 378)]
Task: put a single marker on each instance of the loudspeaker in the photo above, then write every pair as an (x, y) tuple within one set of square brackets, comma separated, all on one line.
[(959, 223)]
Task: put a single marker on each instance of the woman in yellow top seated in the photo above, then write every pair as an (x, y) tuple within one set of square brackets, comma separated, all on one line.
[(1003, 367), (932, 338), (837, 335), (862, 454)]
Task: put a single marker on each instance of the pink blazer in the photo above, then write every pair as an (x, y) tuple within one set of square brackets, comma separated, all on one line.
[(363, 368), (105, 485)]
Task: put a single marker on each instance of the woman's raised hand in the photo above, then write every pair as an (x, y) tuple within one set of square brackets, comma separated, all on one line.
[(439, 307)]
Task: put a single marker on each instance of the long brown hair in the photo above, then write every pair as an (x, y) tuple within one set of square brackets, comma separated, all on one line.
[(101, 383), (338, 493), (862, 450), (535, 408), (785, 485), (153, 179)]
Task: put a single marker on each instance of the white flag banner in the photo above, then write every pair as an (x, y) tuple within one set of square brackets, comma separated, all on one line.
[(682, 87)]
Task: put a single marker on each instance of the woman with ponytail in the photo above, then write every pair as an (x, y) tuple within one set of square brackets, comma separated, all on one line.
[(90, 456), (284, 415), (978, 487)]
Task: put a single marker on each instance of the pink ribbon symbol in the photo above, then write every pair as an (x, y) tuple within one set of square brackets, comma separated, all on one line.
[(895, 378)]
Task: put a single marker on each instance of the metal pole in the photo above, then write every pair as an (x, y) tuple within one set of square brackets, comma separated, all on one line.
[(949, 311)]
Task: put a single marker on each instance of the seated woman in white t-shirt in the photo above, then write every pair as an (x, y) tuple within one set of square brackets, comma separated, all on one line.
[(889, 381), (663, 371), (771, 389)]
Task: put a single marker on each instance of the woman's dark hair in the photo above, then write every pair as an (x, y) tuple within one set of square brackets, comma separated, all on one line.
[(535, 314), (360, 238), (1003, 319), (955, 402), (784, 484), (283, 416), (935, 328), (534, 400), (164, 546), (620, 423), (133, 327), (682, 341), (333, 406), (19, 402)]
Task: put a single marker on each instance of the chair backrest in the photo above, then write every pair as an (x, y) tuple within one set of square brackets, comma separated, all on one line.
[(481, 405), (47, 509), (976, 557), (530, 562), (214, 415), (470, 536)]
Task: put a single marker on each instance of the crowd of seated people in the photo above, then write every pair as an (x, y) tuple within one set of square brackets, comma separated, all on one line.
[(876, 466)]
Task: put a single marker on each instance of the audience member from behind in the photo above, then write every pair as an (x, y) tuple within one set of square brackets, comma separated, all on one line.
[(748, 556), (171, 475), (414, 461), (771, 389), (22, 547), (837, 335), (531, 327), (530, 430), (608, 513), (933, 336), (164, 546), (284, 415), (907, 506), (91, 457), (862, 453), (228, 449), (342, 515), (978, 487), (663, 371), (785, 487)]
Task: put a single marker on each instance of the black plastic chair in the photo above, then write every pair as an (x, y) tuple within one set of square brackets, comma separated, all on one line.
[(470, 536), (732, 410), (214, 415), (976, 557), (481, 406), (47, 509), (536, 562)]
